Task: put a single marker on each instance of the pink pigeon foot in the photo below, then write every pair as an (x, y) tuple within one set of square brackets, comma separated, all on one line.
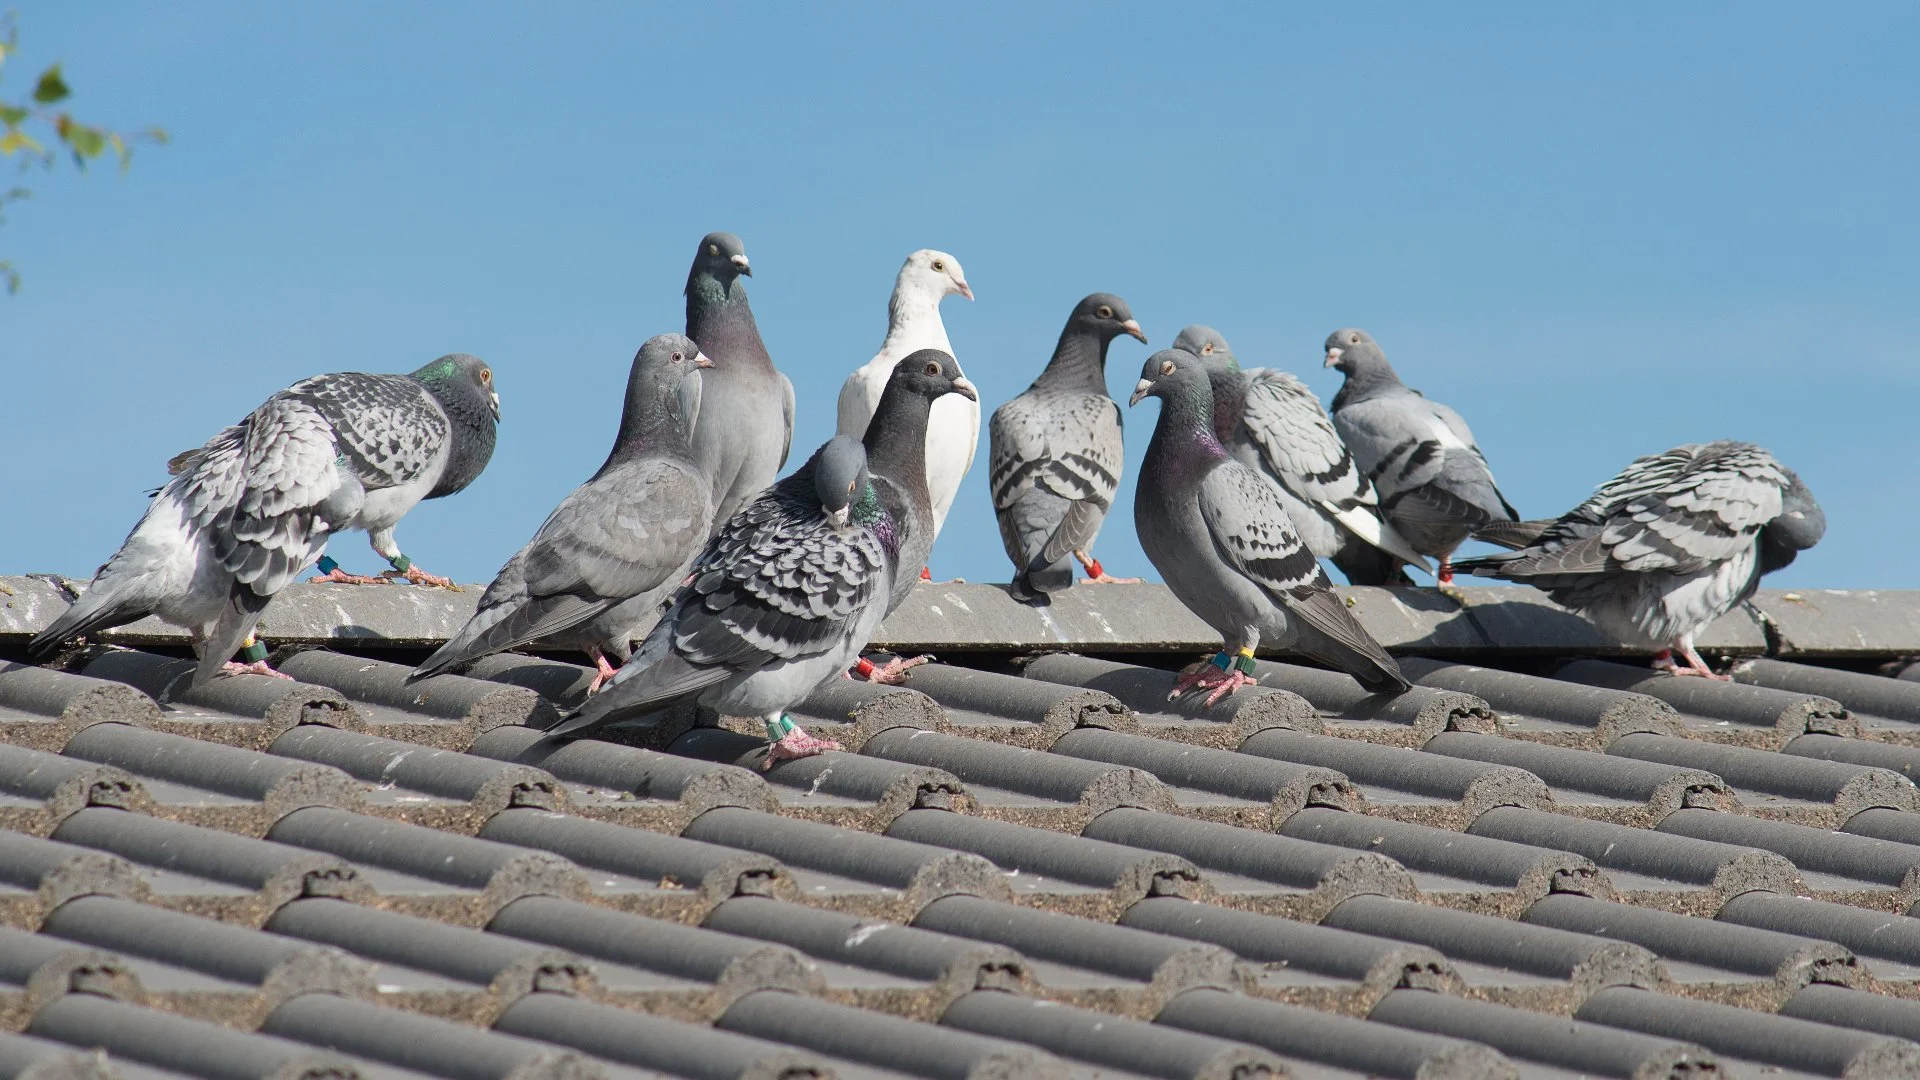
[(891, 673), (258, 667), (1097, 574), (606, 672), (796, 744), (413, 575), (1222, 683), (1695, 665), (341, 577), (926, 573)]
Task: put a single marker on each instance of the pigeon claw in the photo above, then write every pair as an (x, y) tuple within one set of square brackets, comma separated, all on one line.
[(1695, 665), (604, 673), (1206, 675), (794, 745), (413, 575), (258, 667), (891, 673), (341, 577), (1225, 687), (1190, 676)]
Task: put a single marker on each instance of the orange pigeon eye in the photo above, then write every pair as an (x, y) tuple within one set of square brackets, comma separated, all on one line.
[(1166, 367)]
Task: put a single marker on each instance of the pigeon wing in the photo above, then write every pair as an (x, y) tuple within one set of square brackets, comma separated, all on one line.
[(390, 428)]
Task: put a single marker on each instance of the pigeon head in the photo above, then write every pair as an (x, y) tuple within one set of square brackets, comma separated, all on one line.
[(840, 477), (462, 379), (933, 273), (1105, 317), (1351, 350), (930, 373), (1800, 525), (1206, 343), (722, 258), (1173, 375), (663, 387), (463, 385)]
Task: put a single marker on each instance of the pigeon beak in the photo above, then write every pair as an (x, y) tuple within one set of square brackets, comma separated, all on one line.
[(1333, 356), (840, 517), (965, 291), (962, 386), (700, 360), (1140, 390), (740, 263), (493, 400), (1132, 326)]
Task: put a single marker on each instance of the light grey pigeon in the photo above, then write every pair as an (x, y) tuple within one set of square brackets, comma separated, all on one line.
[(248, 511), (1269, 420), (839, 477), (1434, 484), (914, 323), (1218, 533), (1055, 455), (1669, 545), (782, 599), (746, 427), (597, 573)]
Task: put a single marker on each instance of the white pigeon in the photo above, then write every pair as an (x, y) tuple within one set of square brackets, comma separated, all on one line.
[(913, 323)]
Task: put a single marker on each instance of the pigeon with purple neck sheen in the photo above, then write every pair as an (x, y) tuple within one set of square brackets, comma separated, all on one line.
[(914, 323), (1666, 547), (787, 592), (1220, 537), (1055, 455), (1434, 484), (248, 511), (746, 425), (1271, 421), (599, 570)]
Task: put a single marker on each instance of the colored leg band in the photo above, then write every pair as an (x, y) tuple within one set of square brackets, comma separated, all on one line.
[(780, 728), (1222, 661), (401, 563), (326, 565), (1244, 661), (864, 668), (253, 652)]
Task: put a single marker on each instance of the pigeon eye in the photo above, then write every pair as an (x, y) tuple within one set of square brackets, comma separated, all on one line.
[(713, 249), (933, 367), (1166, 367), (486, 377), (938, 265), (1105, 312), (1354, 339), (1207, 349), (677, 358)]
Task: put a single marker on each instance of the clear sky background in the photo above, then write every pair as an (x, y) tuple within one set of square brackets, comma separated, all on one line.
[(1597, 231)]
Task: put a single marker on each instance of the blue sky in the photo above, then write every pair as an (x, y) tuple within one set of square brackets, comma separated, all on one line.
[(1596, 230)]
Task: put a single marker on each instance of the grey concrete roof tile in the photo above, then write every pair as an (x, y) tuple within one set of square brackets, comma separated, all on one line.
[(62, 785), (1705, 704), (695, 786), (1817, 1048), (62, 703), (1521, 871), (247, 710), (487, 784), (1128, 873), (1569, 771), (193, 1047), (439, 1047), (1590, 715), (1410, 718), (1841, 1007), (1668, 860), (1470, 787), (1893, 757), (676, 1048), (1093, 786), (23, 1057), (478, 704), (1846, 787), (278, 784), (1894, 703), (927, 1050), (1144, 690), (832, 779), (1868, 933), (1283, 786), (1586, 1048), (672, 862), (1032, 712), (43, 968), (1097, 1038), (1363, 1046), (1861, 858)]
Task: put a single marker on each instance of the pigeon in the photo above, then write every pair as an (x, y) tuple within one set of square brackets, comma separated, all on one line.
[(1434, 484), (1055, 455), (597, 573), (1669, 545), (784, 597), (1269, 420), (245, 513), (839, 476), (913, 323), (1219, 534), (742, 440)]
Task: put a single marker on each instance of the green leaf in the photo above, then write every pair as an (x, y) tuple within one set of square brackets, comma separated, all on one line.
[(15, 141), (12, 115), (51, 87), (87, 142)]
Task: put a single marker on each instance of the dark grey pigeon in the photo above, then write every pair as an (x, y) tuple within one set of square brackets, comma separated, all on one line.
[(782, 599), (244, 514), (1669, 545), (839, 476), (1434, 484), (1055, 454), (597, 573), (1269, 420), (1216, 530), (746, 426)]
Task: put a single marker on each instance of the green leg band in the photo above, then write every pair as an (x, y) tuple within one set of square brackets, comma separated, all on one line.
[(401, 563), (1222, 661), (780, 728), (1244, 661), (326, 565), (253, 652)]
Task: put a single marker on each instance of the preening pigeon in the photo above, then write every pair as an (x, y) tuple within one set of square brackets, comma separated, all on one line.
[(598, 571), (1434, 484), (1055, 454), (1269, 420), (839, 477), (783, 598), (248, 511), (1219, 534), (746, 424), (913, 323), (1669, 545)]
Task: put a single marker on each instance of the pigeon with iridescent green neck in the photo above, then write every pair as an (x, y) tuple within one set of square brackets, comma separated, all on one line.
[(598, 572), (790, 589), (1271, 421), (245, 513), (1217, 532)]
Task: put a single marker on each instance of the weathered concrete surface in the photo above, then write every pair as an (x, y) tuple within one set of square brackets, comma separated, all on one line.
[(1096, 618)]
